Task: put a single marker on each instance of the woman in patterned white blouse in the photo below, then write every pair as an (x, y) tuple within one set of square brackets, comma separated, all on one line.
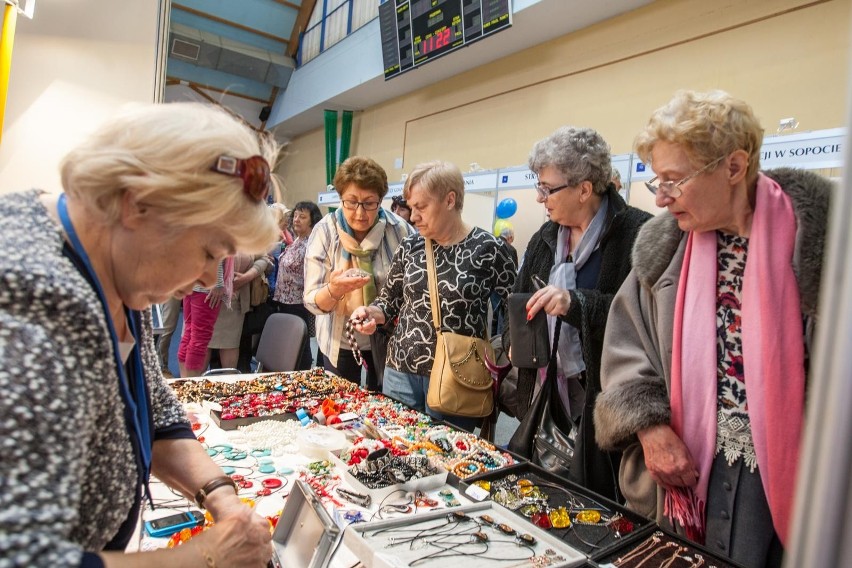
[(153, 201), (470, 264), (347, 261)]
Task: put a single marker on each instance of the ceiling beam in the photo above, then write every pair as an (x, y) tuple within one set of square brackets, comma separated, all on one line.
[(213, 18), (299, 26), (288, 4), (193, 84)]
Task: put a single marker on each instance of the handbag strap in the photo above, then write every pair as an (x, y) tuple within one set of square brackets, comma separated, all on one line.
[(434, 299), (551, 365)]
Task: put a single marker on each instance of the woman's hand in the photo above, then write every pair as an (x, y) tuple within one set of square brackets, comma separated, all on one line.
[(243, 278), (241, 538), (340, 285), (214, 296), (667, 458), (367, 318), (554, 301)]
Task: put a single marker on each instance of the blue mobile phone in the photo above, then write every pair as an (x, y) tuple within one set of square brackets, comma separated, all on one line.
[(167, 526)]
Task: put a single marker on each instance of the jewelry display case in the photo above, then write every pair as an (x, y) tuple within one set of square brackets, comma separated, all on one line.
[(305, 536), (477, 535), (582, 519), (234, 423), (663, 548), (377, 495)]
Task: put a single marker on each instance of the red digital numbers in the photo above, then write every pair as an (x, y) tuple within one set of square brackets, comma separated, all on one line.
[(436, 41)]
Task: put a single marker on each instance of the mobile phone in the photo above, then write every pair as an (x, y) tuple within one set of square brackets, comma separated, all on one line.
[(167, 526)]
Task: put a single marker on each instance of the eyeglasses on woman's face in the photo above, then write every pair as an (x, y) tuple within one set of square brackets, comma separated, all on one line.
[(673, 188), (366, 205), (544, 190)]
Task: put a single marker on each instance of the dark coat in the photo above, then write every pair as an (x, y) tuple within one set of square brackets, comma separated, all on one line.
[(588, 312)]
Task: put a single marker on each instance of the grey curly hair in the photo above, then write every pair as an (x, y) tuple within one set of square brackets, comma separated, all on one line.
[(580, 154)]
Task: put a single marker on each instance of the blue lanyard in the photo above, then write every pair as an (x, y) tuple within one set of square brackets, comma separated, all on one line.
[(138, 406)]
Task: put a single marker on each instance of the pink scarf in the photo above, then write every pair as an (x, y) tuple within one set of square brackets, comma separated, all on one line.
[(228, 277), (773, 358)]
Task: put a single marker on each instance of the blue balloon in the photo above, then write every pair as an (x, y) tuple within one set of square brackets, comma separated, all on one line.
[(507, 208)]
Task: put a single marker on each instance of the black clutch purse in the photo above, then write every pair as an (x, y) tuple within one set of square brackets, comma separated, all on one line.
[(530, 345)]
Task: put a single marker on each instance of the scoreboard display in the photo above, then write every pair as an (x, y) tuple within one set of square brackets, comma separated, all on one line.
[(416, 31)]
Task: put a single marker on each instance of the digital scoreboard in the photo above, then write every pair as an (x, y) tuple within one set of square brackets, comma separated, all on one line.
[(416, 31)]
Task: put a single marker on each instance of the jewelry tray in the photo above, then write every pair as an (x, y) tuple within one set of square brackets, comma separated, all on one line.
[(235, 423), (603, 539), (711, 560), (423, 484), (305, 535), (374, 550)]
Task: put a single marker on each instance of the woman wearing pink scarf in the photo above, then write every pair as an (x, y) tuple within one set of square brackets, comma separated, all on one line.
[(705, 356)]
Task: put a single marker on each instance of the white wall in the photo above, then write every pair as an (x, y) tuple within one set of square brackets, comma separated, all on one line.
[(72, 66)]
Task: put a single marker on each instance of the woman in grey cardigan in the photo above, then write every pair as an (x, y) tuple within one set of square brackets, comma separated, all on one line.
[(153, 201)]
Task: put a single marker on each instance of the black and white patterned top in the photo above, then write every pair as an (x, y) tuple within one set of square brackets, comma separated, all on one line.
[(467, 272), (68, 473), (733, 431)]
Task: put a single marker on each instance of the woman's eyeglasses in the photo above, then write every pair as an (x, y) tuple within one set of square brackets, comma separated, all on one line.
[(354, 205), (673, 188), (254, 172), (544, 192)]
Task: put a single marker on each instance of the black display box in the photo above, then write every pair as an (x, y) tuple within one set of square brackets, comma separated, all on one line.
[(711, 559), (596, 541)]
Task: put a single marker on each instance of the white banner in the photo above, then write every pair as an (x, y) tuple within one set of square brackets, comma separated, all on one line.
[(516, 178), (328, 198), (810, 150), (480, 182)]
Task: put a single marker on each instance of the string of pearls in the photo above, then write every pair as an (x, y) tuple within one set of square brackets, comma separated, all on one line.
[(275, 435)]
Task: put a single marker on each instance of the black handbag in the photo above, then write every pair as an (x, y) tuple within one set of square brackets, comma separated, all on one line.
[(530, 346), (379, 349), (546, 436)]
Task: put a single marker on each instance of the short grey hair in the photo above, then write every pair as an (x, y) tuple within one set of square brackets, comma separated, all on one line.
[(507, 232), (580, 154), (616, 175)]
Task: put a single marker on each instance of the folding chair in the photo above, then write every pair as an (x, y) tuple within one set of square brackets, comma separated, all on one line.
[(281, 343)]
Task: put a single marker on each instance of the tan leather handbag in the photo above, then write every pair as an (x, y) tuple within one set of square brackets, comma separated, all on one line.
[(460, 384)]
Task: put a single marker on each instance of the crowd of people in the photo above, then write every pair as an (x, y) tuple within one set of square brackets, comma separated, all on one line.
[(683, 339)]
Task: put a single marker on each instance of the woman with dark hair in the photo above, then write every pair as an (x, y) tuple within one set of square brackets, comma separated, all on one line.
[(400, 206), (290, 285), (347, 261)]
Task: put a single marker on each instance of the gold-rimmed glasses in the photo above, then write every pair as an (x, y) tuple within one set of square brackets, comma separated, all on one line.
[(673, 188)]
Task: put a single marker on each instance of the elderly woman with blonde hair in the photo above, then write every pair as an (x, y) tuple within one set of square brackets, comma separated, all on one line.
[(704, 367), (470, 264), (154, 200)]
